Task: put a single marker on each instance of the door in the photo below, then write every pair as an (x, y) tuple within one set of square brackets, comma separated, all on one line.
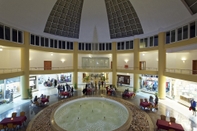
[(194, 66), (47, 65), (142, 65)]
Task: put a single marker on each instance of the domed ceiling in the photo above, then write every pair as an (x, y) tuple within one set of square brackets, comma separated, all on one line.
[(112, 20)]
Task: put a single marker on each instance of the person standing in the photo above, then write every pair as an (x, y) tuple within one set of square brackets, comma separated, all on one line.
[(99, 84), (193, 106)]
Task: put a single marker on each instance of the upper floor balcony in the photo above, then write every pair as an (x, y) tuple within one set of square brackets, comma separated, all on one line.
[(9, 70)]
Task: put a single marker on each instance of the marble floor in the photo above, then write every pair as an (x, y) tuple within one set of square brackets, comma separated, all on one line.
[(166, 107)]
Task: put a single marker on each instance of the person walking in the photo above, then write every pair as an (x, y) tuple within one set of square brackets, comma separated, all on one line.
[(193, 106)]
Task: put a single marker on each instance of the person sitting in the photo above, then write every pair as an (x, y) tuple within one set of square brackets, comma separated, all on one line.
[(42, 96), (35, 99), (151, 100), (85, 91)]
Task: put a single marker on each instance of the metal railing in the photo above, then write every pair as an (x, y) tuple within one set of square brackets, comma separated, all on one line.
[(52, 68), (9, 70), (93, 67), (137, 68), (181, 71)]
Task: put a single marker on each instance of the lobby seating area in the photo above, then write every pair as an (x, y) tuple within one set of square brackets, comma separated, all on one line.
[(165, 107)]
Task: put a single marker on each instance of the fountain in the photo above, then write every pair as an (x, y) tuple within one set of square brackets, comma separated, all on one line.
[(88, 114)]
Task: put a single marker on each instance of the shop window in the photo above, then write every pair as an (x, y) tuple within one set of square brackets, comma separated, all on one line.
[(51, 43), (185, 32), (7, 33), (46, 42), (37, 40), (14, 35), (192, 30), (180, 33), (156, 40), (1, 32), (172, 38), (42, 41), (167, 37), (32, 39), (20, 36)]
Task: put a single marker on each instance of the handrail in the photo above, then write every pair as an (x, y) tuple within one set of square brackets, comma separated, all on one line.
[(93, 67), (137, 68), (9, 70), (181, 71), (52, 68)]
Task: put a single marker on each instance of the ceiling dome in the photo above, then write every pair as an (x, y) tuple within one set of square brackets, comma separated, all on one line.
[(77, 20)]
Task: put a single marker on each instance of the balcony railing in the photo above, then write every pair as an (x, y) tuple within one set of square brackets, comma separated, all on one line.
[(9, 70), (125, 68), (93, 67), (52, 68), (149, 69), (181, 71), (137, 68)]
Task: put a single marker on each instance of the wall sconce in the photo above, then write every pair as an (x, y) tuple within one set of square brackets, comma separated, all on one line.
[(30, 59), (62, 60), (183, 59), (157, 59), (1, 49), (51, 54), (126, 60)]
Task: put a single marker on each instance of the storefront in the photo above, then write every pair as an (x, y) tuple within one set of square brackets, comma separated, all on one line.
[(182, 91), (12, 85), (50, 80), (1, 89), (32, 83), (149, 82)]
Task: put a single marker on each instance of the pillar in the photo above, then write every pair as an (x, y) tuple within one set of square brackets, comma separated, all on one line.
[(161, 66), (75, 63), (136, 64), (114, 64), (25, 67)]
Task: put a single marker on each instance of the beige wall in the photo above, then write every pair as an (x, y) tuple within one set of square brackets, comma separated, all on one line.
[(175, 60), (151, 58), (10, 58), (93, 55), (126, 56), (37, 59)]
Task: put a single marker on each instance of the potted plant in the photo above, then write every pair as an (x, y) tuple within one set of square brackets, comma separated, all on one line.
[(75, 86), (29, 93)]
